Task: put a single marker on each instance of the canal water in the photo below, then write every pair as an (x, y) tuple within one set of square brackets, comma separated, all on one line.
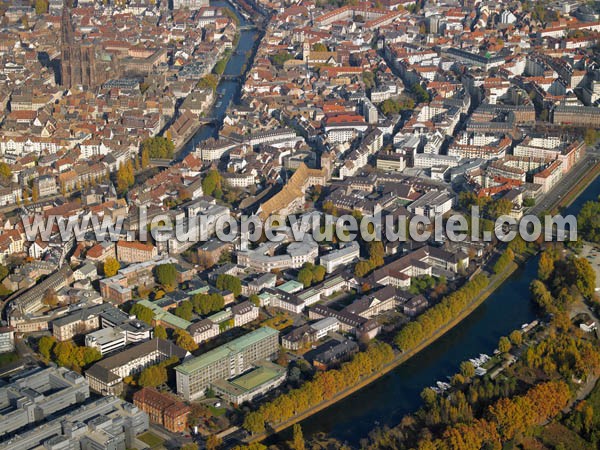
[(387, 400), (228, 91)]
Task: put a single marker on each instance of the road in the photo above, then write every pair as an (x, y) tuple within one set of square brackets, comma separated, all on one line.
[(566, 183)]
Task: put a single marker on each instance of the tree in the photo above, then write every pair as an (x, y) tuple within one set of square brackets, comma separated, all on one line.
[(5, 171), (280, 58), (467, 369), (545, 266), (319, 47), (45, 345), (305, 276), (153, 376), (230, 283), (213, 442), (166, 274), (362, 268), (35, 193), (211, 182), (111, 266), (184, 340), (368, 78), (209, 81), (184, 310), (254, 422), (41, 6), (159, 147), (143, 313), (298, 438), (504, 345), (125, 177), (160, 332), (318, 273), (255, 299), (516, 337), (588, 222), (145, 158), (584, 276)]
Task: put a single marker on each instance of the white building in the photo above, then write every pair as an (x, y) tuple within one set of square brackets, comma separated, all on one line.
[(343, 256)]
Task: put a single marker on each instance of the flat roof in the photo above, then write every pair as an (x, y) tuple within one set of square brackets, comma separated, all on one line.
[(233, 347)]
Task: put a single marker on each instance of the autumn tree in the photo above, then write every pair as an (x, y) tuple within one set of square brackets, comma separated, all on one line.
[(213, 442), (153, 376), (111, 266), (545, 266), (467, 369), (504, 345), (184, 340), (297, 438), (516, 337)]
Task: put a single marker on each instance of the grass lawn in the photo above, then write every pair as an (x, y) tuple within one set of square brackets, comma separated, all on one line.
[(217, 412), (154, 441), (279, 322), (7, 358)]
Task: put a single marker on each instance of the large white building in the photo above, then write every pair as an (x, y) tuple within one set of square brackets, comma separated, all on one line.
[(341, 257)]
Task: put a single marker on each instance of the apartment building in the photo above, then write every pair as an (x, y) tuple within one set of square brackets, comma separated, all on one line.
[(135, 252)]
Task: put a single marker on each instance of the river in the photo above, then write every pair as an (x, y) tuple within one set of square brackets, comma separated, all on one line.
[(387, 400), (228, 90)]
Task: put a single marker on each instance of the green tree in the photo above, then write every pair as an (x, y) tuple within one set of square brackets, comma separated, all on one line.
[(160, 332), (319, 47), (160, 147), (184, 310), (230, 283), (143, 313), (211, 181), (255, 299), (111, 267), (45, 345), (588, 222), (166, 274), (305, 276), (280, 58)]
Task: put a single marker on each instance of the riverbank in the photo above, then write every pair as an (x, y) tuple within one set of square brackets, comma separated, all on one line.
[(495, 282), (581, 186)]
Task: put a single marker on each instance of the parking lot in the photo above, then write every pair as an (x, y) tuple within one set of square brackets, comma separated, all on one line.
[(592, 254)]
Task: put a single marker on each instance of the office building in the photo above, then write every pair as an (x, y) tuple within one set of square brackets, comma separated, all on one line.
[(224, 362)]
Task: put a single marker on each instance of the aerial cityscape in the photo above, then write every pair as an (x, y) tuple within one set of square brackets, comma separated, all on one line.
[(299, 224)]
